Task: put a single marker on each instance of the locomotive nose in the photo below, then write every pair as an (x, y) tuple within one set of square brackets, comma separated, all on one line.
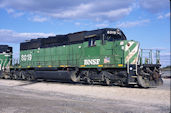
[(131, 52)]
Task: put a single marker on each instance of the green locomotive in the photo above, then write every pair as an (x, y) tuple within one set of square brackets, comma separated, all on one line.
[(5, 59), (97, 56)]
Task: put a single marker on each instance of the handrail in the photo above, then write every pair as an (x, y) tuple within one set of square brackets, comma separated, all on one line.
[(128, 63), (149, 56), (1, 63)]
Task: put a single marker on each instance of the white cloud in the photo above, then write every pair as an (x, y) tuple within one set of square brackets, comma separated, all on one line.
[(162, 16), (98, 10), (77, 23), (10, 36), (167, 15), (10, 11), (18, 14), (132, 23), (102, 25), (87, 11), (14, 13), (78, 9), (154, 6), (39, 19)]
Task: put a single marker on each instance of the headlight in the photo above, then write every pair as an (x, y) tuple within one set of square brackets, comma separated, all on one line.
[(130, 68)]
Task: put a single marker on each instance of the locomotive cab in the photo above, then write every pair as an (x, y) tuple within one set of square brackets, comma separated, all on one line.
[(112, 35)]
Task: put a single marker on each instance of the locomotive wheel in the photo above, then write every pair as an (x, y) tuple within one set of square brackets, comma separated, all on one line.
[(5, 76), (15, 76), (75, 77), (2, 75), (30, 78), (107, 81), (22, 74), (30, 75), (88, 80), (106, 78)]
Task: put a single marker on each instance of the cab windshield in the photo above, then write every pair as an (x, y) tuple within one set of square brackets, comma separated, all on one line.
[(113, 37)]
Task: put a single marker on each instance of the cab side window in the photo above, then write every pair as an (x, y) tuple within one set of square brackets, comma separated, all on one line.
[(91, 42)]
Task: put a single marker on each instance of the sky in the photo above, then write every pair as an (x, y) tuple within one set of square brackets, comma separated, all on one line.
[(145, 21)]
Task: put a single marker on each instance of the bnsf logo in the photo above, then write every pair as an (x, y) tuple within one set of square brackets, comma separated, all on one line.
[(91, 61), (27, 57)]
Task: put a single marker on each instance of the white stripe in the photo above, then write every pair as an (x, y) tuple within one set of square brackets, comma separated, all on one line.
[(132, 53), (3, 66), (130, 44), (8, 65), (135, 61)]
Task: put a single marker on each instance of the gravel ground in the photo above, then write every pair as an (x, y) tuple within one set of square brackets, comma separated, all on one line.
[(50, 97)]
